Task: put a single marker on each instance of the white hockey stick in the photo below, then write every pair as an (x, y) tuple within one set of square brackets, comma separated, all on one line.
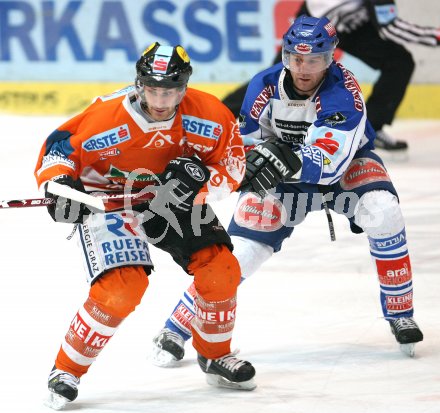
[(97, 201), (67, 192)]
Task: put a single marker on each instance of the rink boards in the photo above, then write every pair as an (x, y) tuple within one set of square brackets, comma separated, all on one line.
[(44, 98)]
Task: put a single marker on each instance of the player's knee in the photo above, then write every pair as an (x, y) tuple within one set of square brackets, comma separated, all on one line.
[(401, 60), (379, 215), (250, 254), (120, 290), (407, 64), (216, 272)]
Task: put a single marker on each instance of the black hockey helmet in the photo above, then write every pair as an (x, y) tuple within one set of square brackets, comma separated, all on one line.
[(163, 66)]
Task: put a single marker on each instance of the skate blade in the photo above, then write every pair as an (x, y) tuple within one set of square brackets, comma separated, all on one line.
[(162, 358), (219, 381), (55, 401), (408, 349)]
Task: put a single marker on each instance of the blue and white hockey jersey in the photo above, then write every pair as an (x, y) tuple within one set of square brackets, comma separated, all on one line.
[(325, 130)]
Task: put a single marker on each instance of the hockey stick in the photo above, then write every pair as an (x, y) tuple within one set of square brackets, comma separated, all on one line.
[(96, 201)]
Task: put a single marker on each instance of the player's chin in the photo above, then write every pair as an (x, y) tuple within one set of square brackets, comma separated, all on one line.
[(159, 114), (306, 85)]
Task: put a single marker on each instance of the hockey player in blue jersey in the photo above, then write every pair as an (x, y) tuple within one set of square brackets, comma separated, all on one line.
[(310, 147), (373, 32)]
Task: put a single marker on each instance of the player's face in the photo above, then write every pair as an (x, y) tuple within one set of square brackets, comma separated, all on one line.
[(307, 71), (162, 102)]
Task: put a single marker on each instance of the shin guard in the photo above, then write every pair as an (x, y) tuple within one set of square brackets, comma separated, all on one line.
[(395, 276), (89, 332), (216, 277), (111, 299), (213, 325), (181, 317), (379, 215)]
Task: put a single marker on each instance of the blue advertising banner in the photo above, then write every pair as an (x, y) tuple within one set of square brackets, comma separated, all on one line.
[(99, 40), (87, 44)]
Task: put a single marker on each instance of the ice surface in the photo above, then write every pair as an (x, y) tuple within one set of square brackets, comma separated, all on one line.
[(309, 320)]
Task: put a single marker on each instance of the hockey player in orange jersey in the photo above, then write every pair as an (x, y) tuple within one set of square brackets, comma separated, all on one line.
[(187, 143)]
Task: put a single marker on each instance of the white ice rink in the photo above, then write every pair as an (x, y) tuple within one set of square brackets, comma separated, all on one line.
[(309, 320)]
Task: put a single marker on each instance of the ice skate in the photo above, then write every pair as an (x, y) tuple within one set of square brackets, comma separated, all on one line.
[(228, 372), (63, 389), (390, 148), (407, 334), (168, 348), (387, 143)]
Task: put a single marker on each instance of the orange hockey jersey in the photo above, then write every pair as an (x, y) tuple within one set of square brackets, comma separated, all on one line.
[(110, 139)]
